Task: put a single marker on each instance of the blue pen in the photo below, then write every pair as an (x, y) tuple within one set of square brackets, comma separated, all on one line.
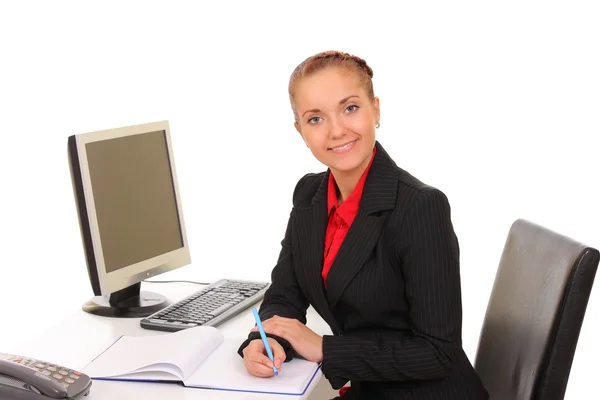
[(264, 338)]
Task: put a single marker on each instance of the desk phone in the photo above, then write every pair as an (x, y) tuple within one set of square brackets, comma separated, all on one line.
[(25, 378)]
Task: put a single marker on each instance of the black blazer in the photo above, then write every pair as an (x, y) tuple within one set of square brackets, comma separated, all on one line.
[(393, 293)]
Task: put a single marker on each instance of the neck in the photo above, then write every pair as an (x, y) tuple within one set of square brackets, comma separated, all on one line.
[(346, 181)]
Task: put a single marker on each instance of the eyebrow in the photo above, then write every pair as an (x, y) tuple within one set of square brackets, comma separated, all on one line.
[(345, 99)]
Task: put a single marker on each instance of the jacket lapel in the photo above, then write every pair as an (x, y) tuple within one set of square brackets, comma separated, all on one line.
[(353, 254), (311, 226), (379, 194)]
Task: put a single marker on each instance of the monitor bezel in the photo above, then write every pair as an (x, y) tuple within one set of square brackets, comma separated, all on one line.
[(109, 282)]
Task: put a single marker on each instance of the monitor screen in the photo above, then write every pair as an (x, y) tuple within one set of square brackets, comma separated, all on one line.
[(134, 198)]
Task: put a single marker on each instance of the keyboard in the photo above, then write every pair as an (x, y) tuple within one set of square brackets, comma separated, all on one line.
[(210, 306)]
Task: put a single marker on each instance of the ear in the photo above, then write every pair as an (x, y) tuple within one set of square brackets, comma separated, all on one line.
[(376, 108)]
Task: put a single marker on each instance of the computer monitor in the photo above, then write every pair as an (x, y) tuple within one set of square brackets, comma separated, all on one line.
[(130, 215)]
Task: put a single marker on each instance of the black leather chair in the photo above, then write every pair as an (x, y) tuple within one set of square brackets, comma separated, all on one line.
[(534, 314)]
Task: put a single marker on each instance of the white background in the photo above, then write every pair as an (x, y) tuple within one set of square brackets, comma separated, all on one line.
[(496, 105)]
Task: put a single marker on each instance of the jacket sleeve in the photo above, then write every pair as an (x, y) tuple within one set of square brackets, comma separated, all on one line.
[(428, 251), (284, 297)]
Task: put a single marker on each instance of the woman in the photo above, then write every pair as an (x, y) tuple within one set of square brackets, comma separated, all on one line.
[(371, 248)]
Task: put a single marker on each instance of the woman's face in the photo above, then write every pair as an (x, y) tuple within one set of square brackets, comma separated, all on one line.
[(336, 118)]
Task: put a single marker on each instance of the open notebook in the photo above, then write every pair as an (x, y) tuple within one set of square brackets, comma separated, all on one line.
[(197, 357)]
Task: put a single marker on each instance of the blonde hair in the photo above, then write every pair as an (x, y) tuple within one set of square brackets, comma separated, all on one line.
[(328, 59)]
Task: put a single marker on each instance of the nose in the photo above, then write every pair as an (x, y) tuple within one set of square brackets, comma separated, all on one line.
[(337, 128)]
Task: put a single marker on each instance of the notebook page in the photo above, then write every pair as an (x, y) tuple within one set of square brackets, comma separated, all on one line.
[(158, 376), (224, 369), (130, 354)]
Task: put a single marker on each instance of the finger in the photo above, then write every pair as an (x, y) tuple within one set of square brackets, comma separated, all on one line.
[(279, 329), (273, 327), (256, 352), (273, 321), (278, 353), (259, 369), (265, 323), (254, 349), (254, 345), (262, 359)]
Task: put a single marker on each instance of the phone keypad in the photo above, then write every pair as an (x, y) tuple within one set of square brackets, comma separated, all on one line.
[(63, 375)]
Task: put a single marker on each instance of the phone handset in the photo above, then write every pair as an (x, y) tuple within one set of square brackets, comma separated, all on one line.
[(36, 380)]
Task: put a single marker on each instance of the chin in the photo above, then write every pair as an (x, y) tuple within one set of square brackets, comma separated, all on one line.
[(349, 163)]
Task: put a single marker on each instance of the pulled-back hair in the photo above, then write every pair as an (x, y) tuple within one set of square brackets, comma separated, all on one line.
[(327, 59)]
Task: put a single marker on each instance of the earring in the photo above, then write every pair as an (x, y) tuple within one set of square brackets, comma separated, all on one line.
[(377, 125)]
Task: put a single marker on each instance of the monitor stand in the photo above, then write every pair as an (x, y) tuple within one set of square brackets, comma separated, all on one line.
[(126, 303)]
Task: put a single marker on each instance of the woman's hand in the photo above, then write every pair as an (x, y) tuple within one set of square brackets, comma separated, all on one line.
[(256, 361), (306, 342)]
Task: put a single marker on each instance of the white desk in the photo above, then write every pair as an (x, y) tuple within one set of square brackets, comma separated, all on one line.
[(76, 341)]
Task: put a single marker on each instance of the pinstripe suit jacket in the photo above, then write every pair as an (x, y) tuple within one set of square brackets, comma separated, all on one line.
[(393, 294)]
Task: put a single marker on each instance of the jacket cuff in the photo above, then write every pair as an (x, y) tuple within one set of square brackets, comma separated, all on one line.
[(336, 382), (287, 347)]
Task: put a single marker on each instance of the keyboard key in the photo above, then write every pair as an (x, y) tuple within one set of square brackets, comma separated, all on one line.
[(221, 309)]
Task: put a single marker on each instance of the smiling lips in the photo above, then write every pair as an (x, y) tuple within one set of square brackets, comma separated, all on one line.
[(343, 148)]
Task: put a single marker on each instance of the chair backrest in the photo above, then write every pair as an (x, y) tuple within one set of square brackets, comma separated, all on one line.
[(534, 315)]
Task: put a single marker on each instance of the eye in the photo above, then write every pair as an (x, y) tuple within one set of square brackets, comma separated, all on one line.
[(314, 120), (352, 108)]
